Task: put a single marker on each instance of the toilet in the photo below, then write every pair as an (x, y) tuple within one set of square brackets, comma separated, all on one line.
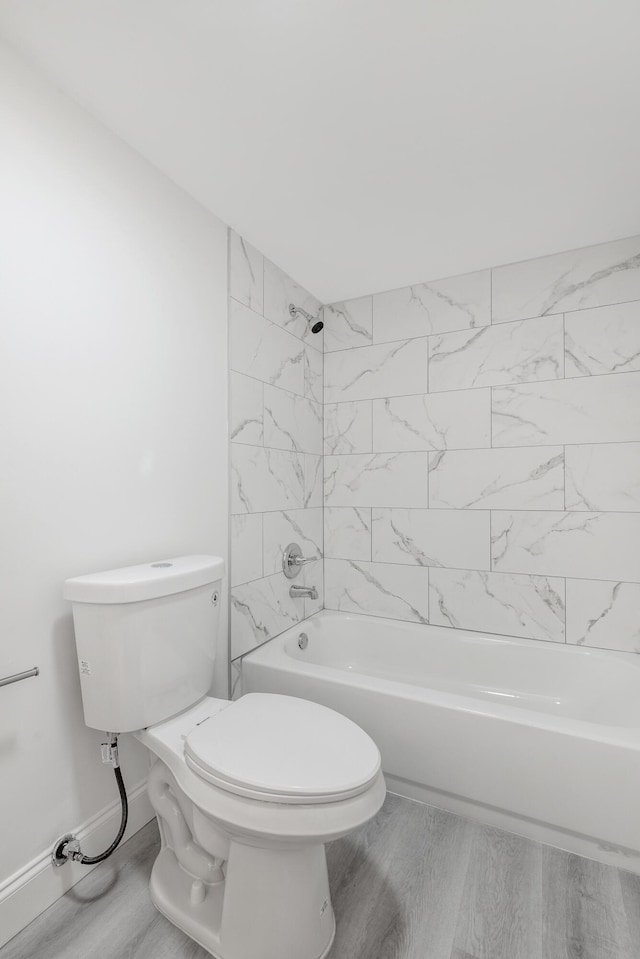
[(246, 792)]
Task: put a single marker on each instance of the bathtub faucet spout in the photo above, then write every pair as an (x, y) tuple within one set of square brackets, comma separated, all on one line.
[(300, 592)]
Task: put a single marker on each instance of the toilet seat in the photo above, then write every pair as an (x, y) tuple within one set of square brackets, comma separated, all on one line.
[(253, 817), (280, 749)]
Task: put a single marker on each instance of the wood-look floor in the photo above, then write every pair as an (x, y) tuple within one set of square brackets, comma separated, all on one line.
[(415, 883)]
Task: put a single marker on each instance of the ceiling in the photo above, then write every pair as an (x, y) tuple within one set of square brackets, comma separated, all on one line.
[(368, 144)]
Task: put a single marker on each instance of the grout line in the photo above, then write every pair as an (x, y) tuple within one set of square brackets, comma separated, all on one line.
[(322, 505), (429, 334), (229, 497), (391, 343), (494, 322), (405, 396), (294, 396), (493, 572), (280, 389), (257, 379), (287, 509), (266, 319), (449, 449), (531, 510), (439, 333), (603, 306), (478, 449), (289, 449), (516, 384)]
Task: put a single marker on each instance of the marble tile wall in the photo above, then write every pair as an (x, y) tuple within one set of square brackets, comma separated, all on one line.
[(482, 450), (275, 413)]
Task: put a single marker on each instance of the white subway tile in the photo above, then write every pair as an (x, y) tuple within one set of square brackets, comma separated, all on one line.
[(245, 273), (347, 532), (592, 276), (390, 369), (291, 422), (264, 351), (246, 405), (603, 477), (265, 479), (313, 575), (494, 355), (246, 547), (455, 420), (455, 303), (597, 409), (301, 526), (603, 340), (511, 605), (279, 292), (313, 374), (580, 545), (432, 537), (236, 679), (313, 476), (603, 614), (521, 478), (348, 324), (379, 479), (260, 610), (378, 589), (347, 427)]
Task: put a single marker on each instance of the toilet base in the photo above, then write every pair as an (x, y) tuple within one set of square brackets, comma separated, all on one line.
[(272, 904), (171, 893)]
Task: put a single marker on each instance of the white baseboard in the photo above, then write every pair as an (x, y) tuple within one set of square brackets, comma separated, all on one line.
[(37, 885)]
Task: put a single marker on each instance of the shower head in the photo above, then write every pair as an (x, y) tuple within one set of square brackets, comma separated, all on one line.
[(316, 323)]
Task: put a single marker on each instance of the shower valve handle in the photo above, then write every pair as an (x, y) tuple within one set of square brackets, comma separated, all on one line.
[(293, 560), (302, 560)]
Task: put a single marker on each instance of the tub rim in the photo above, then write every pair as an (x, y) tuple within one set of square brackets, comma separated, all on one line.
[(272, 655)]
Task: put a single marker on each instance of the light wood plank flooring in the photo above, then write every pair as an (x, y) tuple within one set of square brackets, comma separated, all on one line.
[(415, 883)]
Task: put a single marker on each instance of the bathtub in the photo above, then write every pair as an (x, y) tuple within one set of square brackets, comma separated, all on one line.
[(538, 738)]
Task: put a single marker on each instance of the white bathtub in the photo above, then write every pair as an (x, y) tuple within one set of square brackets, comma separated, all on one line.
[(538, 738)]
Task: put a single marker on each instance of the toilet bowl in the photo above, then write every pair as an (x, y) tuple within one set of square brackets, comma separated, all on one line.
[(246, 792), (244, 812)]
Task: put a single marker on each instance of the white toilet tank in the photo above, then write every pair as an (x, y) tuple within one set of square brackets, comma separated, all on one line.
[(146, 639)]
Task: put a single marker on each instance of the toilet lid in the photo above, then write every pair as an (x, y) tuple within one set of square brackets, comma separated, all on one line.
[(283, 749)]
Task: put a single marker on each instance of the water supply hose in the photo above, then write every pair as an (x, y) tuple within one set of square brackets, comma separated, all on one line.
[(92, 860), (68, 848)]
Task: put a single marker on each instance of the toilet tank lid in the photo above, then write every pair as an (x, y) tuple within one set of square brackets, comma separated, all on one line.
[(132, 584)]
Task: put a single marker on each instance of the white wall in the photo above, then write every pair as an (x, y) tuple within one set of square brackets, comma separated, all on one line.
[(113, 432)]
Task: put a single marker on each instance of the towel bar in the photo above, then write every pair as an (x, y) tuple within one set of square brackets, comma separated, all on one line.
[(18, 676)]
